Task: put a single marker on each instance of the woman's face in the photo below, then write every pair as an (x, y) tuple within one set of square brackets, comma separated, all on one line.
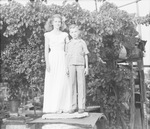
[(57, 23)]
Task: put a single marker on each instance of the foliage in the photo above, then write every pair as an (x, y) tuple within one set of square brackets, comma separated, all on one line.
[(104, 31), (24, 55), (145, 20)]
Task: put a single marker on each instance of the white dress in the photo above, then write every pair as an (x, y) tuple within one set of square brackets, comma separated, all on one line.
[(56, 86)]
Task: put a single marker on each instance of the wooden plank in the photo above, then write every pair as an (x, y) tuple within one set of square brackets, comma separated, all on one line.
[(87, 122), (12, 126)]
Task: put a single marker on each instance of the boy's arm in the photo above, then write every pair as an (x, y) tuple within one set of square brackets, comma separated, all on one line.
[(86, 59), (86, 65), (86, 52)]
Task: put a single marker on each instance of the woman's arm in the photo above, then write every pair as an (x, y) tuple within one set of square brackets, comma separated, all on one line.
[(66, 54), (46, 53), (66, 42)]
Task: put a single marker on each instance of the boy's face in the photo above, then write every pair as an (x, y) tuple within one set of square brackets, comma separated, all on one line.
[(74, 32)]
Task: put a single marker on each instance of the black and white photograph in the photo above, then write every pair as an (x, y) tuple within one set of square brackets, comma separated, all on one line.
[(75, 64)]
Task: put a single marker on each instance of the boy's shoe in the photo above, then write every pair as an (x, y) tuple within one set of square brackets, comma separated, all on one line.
[(81, 111), (72, 111)]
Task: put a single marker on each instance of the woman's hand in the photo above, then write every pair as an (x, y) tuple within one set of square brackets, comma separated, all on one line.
[(48, 68)]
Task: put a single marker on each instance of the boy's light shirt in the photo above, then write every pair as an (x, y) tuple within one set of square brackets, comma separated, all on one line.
[(76, 51)]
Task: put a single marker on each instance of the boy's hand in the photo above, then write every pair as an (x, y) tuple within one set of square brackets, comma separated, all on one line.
[(86, 71), (67, 71)]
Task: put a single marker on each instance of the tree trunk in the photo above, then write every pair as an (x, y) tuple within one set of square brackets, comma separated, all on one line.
[(96, 5)]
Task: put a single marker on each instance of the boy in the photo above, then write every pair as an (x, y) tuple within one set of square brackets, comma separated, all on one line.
[(77, 66)]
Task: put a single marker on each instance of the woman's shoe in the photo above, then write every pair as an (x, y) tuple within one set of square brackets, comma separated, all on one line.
[(59, 112)]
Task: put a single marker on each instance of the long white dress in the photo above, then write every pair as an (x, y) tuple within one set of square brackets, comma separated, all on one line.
[(56, 86)]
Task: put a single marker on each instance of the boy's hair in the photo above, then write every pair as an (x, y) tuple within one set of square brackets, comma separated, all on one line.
[(72, 26)]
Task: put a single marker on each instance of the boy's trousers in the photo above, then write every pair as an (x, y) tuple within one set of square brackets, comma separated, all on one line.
[(77, 83)]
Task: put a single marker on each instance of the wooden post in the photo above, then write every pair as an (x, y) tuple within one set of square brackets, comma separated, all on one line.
[(132, 105), (142, 92)]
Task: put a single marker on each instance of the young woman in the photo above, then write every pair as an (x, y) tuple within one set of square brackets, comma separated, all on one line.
[(56, 87)]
